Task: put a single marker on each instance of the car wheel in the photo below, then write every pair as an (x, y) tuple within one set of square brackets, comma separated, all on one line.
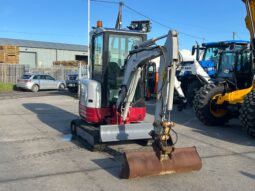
[(62, 86), (35, 88), (15, 88)]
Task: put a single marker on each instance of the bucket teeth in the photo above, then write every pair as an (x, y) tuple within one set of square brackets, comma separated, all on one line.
[(147, 163)]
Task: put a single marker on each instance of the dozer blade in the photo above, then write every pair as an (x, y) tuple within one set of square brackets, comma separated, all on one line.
[(146, 163)]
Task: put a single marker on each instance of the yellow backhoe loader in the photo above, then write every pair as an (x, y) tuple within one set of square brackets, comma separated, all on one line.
[(233, 92)]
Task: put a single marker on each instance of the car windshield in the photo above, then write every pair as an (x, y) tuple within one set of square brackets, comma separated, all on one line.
[(72, 76), (25, 77)]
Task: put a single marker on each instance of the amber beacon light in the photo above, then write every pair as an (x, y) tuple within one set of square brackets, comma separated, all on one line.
[(99, 24)]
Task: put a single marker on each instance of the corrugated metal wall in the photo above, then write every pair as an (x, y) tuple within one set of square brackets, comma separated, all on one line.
[(68, 55), (45, 57)]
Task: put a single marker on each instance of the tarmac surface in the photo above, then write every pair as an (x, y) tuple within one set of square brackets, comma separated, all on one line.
[(37, 152)]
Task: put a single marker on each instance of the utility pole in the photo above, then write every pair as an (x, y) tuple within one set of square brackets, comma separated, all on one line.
[(234, 35), (79, 78), (118, 24), (88, 64)]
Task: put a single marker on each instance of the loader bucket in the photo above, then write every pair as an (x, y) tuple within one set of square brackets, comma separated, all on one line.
[(146, 163)]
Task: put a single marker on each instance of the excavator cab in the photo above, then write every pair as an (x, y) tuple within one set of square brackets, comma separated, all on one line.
[(100, 119), (110, 48), (109, 51)]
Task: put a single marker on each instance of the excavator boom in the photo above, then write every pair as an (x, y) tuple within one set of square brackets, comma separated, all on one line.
[(164, 158)]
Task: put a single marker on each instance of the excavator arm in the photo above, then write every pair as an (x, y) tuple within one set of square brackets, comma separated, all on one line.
[(135, 62), (164, 158), (138, 58)]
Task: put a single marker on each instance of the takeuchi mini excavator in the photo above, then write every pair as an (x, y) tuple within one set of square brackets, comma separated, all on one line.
[(112, 106)]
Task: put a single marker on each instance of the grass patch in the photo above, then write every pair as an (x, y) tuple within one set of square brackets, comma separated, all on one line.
[(6, 87)]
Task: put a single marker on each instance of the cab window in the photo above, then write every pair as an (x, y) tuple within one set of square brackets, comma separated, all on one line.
[(97, 57), (119, 47)]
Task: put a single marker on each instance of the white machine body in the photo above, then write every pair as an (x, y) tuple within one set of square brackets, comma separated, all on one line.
[(90, 93)]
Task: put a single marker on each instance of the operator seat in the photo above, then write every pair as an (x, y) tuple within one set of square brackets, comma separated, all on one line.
[(113, 75)]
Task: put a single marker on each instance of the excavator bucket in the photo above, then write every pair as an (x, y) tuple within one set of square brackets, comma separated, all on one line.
[(147, 163)]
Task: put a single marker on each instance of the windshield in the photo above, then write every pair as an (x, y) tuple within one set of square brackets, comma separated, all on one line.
[(227, 64), (72, 76), (211, 53), (119, 47)]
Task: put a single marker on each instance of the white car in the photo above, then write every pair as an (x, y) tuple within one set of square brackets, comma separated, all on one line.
[(36, 82)]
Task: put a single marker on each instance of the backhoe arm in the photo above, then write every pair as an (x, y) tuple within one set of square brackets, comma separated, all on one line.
[(250, 18), (250, 24)]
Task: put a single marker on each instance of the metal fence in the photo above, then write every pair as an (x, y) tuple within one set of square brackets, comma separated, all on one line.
[(59, 72), (10, 73)]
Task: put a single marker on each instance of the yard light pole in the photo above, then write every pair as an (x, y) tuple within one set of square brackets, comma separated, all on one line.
[(79, 78), (88, 73), (234, 35)]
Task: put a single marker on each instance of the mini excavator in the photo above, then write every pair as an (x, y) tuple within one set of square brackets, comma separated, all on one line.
[(112, 107)]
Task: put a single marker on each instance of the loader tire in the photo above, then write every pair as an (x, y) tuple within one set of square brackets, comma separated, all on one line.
[(247, 113), (192, 89), (204, 109)]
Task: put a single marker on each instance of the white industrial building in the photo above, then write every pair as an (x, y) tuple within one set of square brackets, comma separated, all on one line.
[(43, 54)]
